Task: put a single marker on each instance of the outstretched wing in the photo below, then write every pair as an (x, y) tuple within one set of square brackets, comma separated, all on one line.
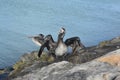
[(42, 48)]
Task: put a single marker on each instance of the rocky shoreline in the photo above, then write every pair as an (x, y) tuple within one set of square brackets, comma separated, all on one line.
[(100, 62)]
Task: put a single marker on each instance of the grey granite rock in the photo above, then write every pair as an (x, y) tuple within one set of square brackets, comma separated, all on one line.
[(93, 70), (67, 71), (87, 64)]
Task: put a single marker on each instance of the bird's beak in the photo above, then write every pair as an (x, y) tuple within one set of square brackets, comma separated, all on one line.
[(32, 36)]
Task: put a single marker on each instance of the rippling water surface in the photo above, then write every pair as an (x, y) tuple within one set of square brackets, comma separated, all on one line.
[(93, 21)]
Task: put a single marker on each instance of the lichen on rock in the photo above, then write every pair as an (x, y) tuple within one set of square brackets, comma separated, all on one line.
[(103, 44)]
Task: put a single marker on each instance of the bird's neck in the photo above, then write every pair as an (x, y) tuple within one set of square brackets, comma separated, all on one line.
[(60, 38)]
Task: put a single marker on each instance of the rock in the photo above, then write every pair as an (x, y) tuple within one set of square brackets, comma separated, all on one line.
[(67, 71), (97, 69), (103, 44), (112, 58), (29, 59), (115, 40), (99, 62), (5, 72), (117, 77), (1, 71)]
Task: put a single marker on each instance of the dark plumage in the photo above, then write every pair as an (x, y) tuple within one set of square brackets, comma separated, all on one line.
[(59, 48), (50, 44), (75, 43)]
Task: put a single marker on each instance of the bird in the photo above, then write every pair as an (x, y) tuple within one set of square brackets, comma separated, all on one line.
[(75, 43), (50, 44), (57, 48), (61, 48), (38, 39)]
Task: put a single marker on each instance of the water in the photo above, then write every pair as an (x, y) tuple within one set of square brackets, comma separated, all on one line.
[(93, 21)]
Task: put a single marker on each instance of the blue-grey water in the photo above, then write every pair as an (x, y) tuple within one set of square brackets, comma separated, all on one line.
[(92, 20)]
